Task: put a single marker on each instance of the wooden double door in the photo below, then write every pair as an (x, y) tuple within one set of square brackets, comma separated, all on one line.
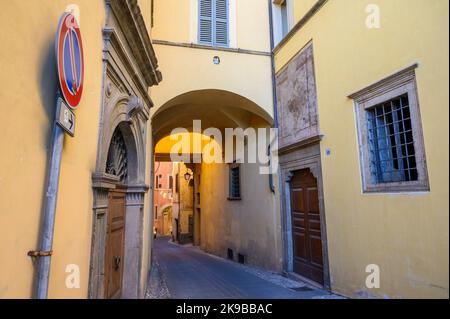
[(306, 226), (115, 237)]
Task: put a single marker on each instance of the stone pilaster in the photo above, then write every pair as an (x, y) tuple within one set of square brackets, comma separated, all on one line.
[(133, 241)]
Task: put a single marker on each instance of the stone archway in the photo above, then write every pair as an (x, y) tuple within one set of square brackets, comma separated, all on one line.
[(211, 214), (111, 174)]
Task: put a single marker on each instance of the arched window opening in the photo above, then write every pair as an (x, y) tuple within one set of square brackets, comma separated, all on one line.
[(117, 163)]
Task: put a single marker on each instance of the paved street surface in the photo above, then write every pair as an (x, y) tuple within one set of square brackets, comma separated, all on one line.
[(186, 272)]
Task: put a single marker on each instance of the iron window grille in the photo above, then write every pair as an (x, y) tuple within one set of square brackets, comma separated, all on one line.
[(117, 161), (235, 182), (390, 138), (391, 143)]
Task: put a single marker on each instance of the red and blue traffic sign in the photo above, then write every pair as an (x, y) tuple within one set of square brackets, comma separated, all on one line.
[(70, 59)]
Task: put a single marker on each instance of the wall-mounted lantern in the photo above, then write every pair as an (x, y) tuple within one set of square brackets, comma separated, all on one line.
[(187, 176)]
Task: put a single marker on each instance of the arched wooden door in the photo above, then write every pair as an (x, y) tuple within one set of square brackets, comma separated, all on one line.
[(306, 226), (117, 165)]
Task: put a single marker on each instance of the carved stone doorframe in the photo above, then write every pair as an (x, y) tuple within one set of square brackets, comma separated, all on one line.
[(129, 69), (304, 157), (103, 183)]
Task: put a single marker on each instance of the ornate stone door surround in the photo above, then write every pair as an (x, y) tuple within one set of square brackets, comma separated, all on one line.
[(306, 156), (129, 69), (299, 142)]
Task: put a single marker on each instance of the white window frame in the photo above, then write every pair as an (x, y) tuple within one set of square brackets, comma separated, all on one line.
[(278, 19)]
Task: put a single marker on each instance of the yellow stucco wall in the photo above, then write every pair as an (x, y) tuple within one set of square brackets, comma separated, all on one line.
[(147, 227), (252, 25), (176, 21), (170, 13), (187, 69), (28, 77), (249, 226), (301, 7), (405, 234)]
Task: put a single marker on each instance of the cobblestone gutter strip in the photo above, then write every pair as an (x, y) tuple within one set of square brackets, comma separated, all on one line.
[(157, 287)]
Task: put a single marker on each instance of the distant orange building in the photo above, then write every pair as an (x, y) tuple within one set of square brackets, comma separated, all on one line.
[(163, 198)]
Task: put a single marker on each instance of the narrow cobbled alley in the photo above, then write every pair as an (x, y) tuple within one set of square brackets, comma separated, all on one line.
[(186, 272)]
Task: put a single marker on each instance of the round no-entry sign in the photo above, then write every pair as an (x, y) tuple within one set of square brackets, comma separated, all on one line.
[(70, 59)]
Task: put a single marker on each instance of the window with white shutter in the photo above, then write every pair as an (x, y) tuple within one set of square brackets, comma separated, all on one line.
[(214, 22), (206, 21)]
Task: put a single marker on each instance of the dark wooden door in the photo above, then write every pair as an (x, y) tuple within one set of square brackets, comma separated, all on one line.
[(306, 227), (115, 244)]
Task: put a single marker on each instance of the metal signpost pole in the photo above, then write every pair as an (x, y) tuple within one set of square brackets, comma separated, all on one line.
[(70, 75), (43, 267)]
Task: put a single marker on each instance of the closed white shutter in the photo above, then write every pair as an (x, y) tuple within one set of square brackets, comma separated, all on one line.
[(221, 23), (206, 21), (213, 22)]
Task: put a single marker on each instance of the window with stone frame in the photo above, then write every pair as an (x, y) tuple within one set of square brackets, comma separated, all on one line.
[(391, 146)]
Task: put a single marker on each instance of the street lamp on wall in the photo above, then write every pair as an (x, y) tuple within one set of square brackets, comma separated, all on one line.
[(187, 176)]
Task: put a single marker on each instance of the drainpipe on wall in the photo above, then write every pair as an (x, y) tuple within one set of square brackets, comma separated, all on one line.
[(272, 56), (274, 89)]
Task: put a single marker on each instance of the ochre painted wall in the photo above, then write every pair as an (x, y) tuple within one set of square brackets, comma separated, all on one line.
[(405, 234), (301, 7), (28, 76), (250, 226), (172, 20), (147, 220), (186, 69), (177, 21), (252, 25)]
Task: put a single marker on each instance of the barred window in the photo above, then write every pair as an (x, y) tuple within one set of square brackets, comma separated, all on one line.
[(235, 182), (391, 145), (391, 142)]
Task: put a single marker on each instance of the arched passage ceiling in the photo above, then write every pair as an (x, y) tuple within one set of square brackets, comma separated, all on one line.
[(215, 108)]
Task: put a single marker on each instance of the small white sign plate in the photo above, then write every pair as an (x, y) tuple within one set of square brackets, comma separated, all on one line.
[(65, 117)]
